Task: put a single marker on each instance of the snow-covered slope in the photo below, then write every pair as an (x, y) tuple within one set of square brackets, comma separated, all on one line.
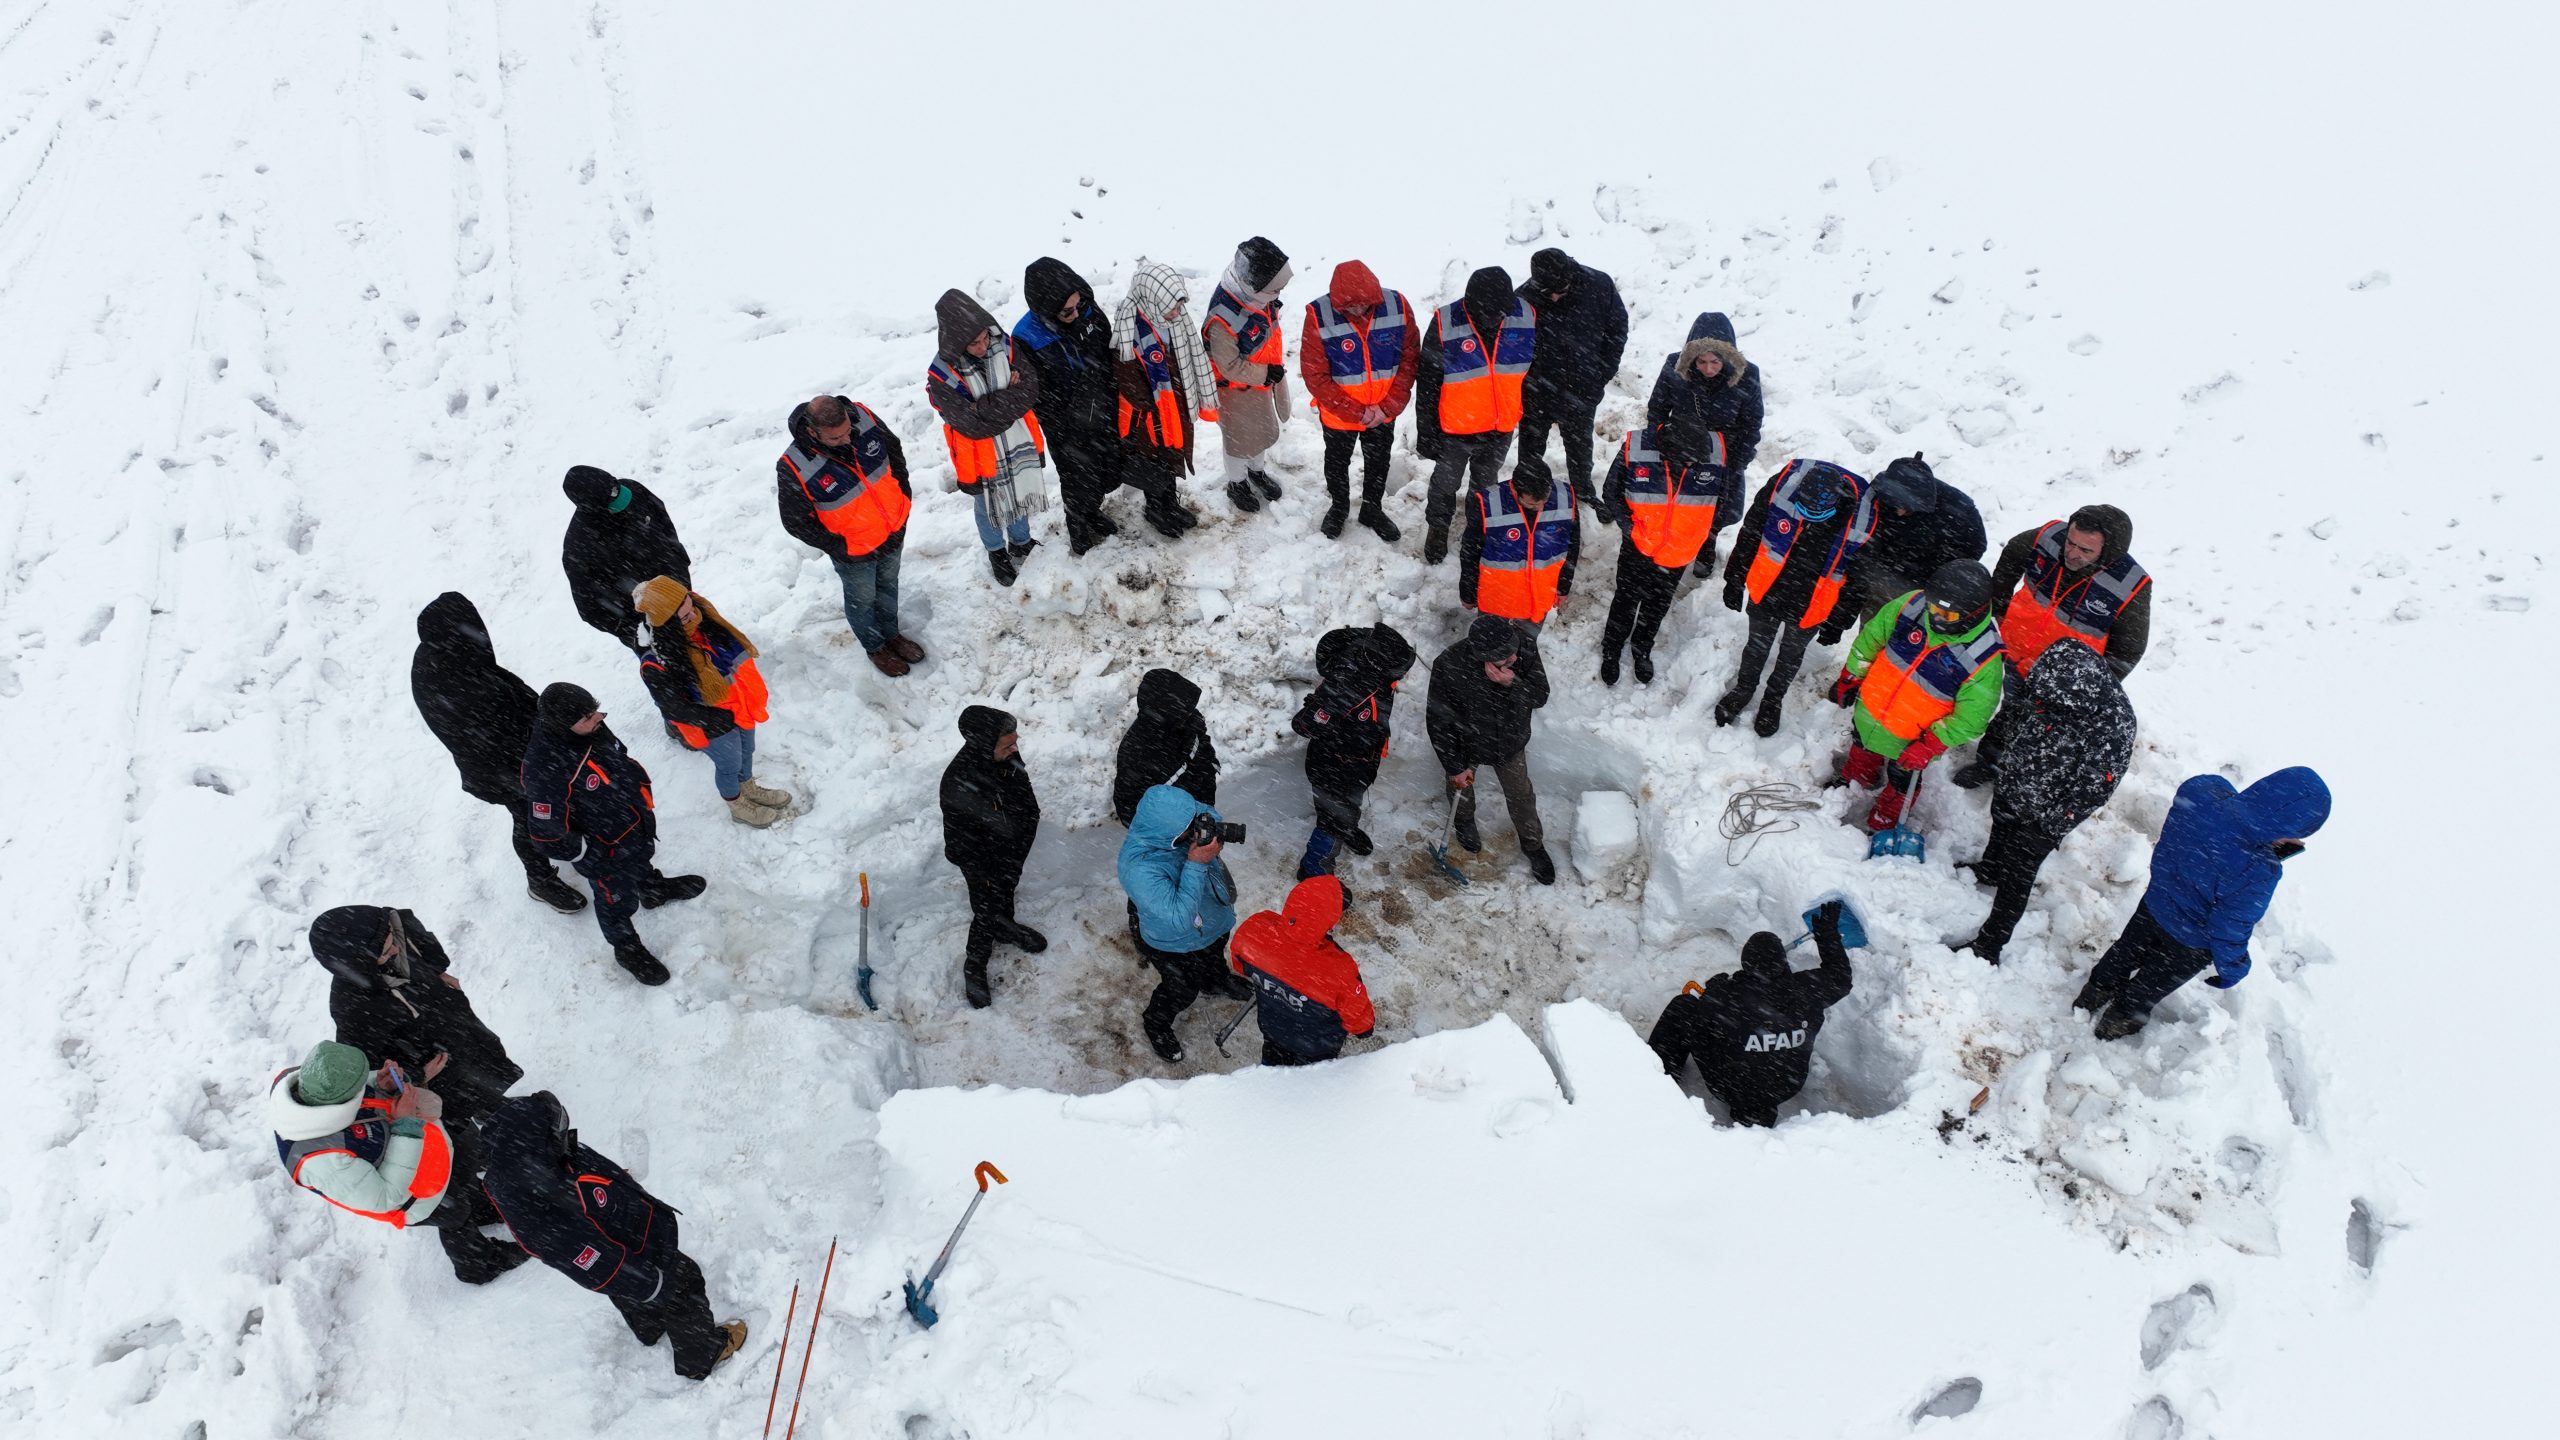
[(311, 305)]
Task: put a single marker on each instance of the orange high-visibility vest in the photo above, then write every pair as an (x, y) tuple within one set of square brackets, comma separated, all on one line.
[(365, 1140), (1480, 393), (1671, 514), (1257, 332), (2044, 609), (1363, 361), (1913, 681), (1785, 522), (1524, 553), (1162, 424), (976, 460), (860, 501), (746, 701)]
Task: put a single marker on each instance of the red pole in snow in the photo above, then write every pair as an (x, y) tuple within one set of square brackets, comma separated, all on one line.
[(810, 1348), (785, 1353)]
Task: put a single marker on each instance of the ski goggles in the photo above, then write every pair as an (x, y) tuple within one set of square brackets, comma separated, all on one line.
[(1943, 614)]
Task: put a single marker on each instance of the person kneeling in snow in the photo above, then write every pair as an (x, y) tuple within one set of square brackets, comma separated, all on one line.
[(371, 1143), (2220, 856), (1186, 904), (701, 671), (1752, 1030), (584, 1216), (1307, 991)]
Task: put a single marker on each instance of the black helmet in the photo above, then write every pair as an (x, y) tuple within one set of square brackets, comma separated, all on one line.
[(1958, 596)]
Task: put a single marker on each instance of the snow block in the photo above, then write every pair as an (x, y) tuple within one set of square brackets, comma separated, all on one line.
[(1608, 839)]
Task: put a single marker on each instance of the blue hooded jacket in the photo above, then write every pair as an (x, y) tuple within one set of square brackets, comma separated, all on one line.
[(2214, 870), (1182, 907)]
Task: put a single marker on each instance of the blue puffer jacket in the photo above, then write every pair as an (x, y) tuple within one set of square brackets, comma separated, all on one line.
[(1182, 907), (2214, 870)]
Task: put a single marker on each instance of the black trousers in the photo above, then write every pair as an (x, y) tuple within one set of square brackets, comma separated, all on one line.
[(1088, 469), (1769, 629), (1539, 414), (682, 1314), (477, 1259), (1377, 444), (1643, 596), (2145, 964), (2011, 861), (990, 907), (1678, 1037), (617, 874), (1186, 976), (1274, 1055)]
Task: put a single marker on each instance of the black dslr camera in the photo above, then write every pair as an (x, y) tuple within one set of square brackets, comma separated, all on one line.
[(1205, 828)]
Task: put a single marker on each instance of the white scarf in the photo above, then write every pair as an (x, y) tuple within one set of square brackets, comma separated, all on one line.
[(1155, 291), (1020, 485)]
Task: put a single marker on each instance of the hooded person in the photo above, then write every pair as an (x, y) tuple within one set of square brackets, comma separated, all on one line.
[(374, 1144), (591, 806), (1484, 690), (1800, 539), (1923, 677), (1306, 989), (1166, 391), (1582, 335), (2221, 854), (1707, 387), (1183, 903), (1752, 1030), (1167, 744), (1066, 337), (984, 388), (1241, 332), (842, 490), (393, 995), (701, 671), (619, 535), (1468, 385), (2073, 578), (990, 817), (2075, 741), (1922, 522), (1357, 354), (1348, 720), (480, 712), (575, 1210)]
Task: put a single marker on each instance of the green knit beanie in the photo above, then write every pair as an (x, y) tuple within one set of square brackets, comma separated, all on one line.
[(331, 1074)]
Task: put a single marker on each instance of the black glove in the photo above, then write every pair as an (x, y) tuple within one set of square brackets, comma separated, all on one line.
[(1427, 446), (1733, 597), (1278, 373), (1826, 921)]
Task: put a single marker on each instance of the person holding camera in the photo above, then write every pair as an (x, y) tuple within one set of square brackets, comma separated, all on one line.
[(1185, 902)]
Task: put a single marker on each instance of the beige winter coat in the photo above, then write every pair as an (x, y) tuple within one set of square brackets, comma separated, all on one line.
[(1248, 420)]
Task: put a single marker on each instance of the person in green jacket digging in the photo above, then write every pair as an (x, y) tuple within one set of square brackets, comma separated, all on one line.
[(1923, 678)]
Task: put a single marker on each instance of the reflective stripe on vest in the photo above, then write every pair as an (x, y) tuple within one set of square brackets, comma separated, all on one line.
[(1477, 396), (976, 460), (746, 702), (366, 1140), (1913, 683), (2086, 609), (1524, 553), (1362, 362), (1163, 427), (1785, 521), (860, 502), (1257, 332), (1671, 516)]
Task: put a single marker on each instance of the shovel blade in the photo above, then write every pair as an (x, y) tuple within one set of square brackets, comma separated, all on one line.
[(1853, 931), (1897, 843), (1440, 857), (917, 1306)]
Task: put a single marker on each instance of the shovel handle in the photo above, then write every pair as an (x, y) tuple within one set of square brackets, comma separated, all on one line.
[(1693, 988), (866, 889), (985, 1169)]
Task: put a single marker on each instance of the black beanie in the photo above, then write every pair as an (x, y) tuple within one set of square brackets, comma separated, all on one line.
[(564, 705), (1552, 269), (347, 941), (1262, 260), (1492, 638), (1909, 484), (590, 488), (1533, 469)]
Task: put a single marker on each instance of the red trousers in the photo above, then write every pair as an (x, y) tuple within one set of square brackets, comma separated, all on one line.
[(1866, 767)]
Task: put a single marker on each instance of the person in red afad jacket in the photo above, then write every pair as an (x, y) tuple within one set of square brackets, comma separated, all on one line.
[(1306, 989), (1357, 354)]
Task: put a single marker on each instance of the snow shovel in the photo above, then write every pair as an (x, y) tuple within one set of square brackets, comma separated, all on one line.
[(919, 1296), (1232, 1024), (1900, 843), (1853, 931), (1440, 852), (862, 960)]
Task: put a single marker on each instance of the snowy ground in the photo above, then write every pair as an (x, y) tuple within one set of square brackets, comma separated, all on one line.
[(311, 305)]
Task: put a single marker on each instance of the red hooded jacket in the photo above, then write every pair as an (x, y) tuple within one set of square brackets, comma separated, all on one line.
[(1353, 284), (1307, 984)]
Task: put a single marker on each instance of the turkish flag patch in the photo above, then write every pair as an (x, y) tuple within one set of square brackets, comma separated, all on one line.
[(542, 810), (591, 782), (587, 1258)]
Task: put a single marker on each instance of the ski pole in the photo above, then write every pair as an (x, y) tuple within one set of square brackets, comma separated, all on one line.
[(1246, 1009), (811, 1348), (862, 961), (919, 1293), (784, 1354)]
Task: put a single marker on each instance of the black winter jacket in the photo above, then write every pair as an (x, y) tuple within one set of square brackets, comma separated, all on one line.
[(1079, 405), (1691, 408), (2075, 741), (989, 814), (474, 706), (588, 795), (1755, 1027), (607, 555), (409, 1020), (577, 1212), (1581, 339), (1168, 744), (799, 517), (1473, 721), (1915, 545), (1350, 715)]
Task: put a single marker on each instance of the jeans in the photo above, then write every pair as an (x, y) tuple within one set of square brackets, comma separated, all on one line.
[(1641, 600), (1477, 457), (1018, 533), (871, 592), (1377, 445), (1518, 796), (1768, 629), (2011, 861), (2145, 964), (1337, 815), (733, 759), (1575, 422)]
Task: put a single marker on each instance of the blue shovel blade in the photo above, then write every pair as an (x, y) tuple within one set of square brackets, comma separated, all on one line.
[(1899, 843), (917, 1307), (1853, 931)]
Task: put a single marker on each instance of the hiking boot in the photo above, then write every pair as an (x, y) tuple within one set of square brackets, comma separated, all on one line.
[(1541, 865), (907, 649), (1643, 666), (1167, 1048), (1242, 495), (765, 795), (973, 980), (644, 967), (887, 661), (1359, 841), (1973, 776), (1001, 562), (1171, 524), (1021, 937), (667, 889), (1334, 516), (1730, 705), (1435, 546), (749, 813), (1987, 954), (1765, 723), (1468, 839), (1376, 519), (487, 1261), (1609, 668), (553, 891), (1269, 487), (2093, 997), (736, 1330), (2119, 1023)]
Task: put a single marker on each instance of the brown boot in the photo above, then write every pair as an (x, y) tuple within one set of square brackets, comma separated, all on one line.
[(887, 660), (907, 649)]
